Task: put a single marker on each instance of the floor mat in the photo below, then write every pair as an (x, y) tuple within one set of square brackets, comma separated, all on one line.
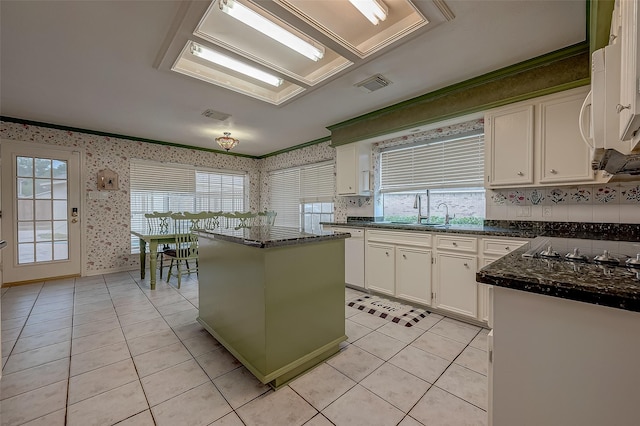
[(396, 312)]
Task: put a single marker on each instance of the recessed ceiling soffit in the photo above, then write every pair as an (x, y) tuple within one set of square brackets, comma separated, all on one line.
[(218, 42)]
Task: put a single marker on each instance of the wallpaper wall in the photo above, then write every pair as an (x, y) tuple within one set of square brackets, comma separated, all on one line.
[(106, 236)]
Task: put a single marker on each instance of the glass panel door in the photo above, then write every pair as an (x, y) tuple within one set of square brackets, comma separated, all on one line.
[(43, 224)]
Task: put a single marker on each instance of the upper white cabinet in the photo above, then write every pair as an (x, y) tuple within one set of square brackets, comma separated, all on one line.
[(629, 108), (537, 142), (509, 145), (564, 157), (352, 169)]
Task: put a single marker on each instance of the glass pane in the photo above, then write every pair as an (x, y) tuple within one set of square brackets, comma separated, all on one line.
[(43, 167), (43, 188), (25, 210), (44, 231), (43, 210), (59, 169), (60, 210), (44, 252), (60, 230), (60, 250), (25, 253), (25, 188), (25, 166), (25, 232), (60, 189)]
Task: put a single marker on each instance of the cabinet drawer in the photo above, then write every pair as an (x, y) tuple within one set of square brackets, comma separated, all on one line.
[(420, 239), (355, 232), (466, 244), (501, 247)]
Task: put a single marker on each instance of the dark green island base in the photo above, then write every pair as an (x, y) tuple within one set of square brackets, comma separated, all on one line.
[(274, 297)]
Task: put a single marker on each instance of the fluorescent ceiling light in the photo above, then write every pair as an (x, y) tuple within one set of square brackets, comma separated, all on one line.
[(234, 64), (374, 10), (265, 26)]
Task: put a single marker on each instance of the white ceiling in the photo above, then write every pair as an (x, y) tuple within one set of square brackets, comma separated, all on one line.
[(90, 65)]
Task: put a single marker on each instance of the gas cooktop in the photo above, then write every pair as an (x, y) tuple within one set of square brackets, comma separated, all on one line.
[(600, 252)]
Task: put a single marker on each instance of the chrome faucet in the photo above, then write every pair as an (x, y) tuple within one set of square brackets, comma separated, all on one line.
[(446, 215), (417, 204)]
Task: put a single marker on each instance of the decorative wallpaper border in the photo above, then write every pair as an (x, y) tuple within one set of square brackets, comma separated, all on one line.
[(606, 194)]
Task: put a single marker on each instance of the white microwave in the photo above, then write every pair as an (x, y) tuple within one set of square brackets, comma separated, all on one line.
[(599, 119)]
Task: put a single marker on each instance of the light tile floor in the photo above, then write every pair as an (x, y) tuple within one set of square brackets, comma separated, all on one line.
[(107, 350)]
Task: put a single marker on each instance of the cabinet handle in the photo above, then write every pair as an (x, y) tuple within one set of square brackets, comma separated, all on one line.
[(553, 171), (387, 253), (466, 265), (620, 107), (507, 248), (455, 244), (404, 256), (520, 174)]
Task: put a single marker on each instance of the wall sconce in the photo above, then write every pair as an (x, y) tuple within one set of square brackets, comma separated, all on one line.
[(107, 180)]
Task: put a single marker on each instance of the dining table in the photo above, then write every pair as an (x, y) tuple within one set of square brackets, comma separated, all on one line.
[(153, 240)]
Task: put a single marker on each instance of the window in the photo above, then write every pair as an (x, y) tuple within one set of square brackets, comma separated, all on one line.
[(181, 188), (303, 196), (443, 171)]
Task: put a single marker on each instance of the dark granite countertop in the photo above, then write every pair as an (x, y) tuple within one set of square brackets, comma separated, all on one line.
[(516, 229), (270, 236), (616, 287), (480, 230)]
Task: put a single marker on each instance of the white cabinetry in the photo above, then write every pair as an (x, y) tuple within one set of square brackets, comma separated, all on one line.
[(629, 108), (537, 142), (413, 264), (456, 262), (492, 250), (509, 145), (352, 169), (353, 255), (381, 268), (399, 264)]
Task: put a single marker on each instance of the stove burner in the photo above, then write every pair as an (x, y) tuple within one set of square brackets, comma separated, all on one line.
[(549, 253), (606, 259), (576, 256), (634, 263)]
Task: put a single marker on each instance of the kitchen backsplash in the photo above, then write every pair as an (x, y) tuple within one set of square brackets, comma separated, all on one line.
[(611, 203)]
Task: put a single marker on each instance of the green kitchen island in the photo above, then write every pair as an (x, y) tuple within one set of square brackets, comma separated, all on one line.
[(273, 296)]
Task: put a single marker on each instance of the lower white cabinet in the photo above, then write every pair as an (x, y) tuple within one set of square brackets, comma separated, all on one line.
[(456, 287), (381, 268), (399, 264), (413, 274)]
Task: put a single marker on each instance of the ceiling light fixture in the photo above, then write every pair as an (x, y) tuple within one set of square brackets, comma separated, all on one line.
[(234, 64), (265, 26), (227, 142), (374, 10)]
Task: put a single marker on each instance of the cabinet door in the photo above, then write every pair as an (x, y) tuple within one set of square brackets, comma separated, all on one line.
[(565, 157), (380, 264), (629, 84), (346, 170), (457, 290), (484, 295), (413, 274), (509, 146)]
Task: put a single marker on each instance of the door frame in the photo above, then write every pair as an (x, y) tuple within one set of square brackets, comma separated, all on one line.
[(6, 148)]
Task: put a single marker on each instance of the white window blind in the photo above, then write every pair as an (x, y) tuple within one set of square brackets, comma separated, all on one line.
[(456, 162), (166, 187), (291, 187)]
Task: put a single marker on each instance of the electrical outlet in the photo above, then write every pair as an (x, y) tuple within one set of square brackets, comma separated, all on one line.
[(523, 211), (547, 211)]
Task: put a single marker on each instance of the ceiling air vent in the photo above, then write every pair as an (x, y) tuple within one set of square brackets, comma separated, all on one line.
[(216, 115), (373, 83)]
